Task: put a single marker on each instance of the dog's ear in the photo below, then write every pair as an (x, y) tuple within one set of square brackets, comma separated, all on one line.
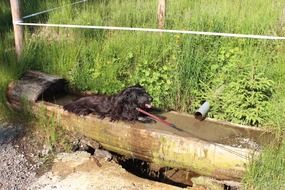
[(118, 107)]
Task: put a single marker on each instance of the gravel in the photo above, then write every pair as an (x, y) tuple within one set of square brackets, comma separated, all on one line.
[(16, 173)]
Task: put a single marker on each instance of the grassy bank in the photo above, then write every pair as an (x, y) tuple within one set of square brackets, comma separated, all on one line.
[(179, 71), (7, 61), (268, 171), (242, 78)]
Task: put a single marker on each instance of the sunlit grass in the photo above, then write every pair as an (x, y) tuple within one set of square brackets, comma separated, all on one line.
[(268, 172), (100, 60), (180, 71)]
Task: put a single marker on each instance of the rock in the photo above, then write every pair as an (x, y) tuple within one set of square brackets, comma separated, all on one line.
[(99, 153), (45, 151), (213, 184), (77, 170), (207, 182)]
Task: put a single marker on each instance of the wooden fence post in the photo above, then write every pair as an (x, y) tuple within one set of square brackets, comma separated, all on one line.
[(161, 12), (18, 30)]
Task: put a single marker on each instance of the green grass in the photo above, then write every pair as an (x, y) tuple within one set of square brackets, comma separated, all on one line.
[(179, 71), (8, 69), (243, 79), (268, 171), (195, 67)]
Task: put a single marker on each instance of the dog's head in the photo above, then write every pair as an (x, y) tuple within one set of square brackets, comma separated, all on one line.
[(126, 103), (136, 96)]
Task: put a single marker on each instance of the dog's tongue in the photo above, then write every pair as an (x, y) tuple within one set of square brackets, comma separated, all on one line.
[(147, 105)]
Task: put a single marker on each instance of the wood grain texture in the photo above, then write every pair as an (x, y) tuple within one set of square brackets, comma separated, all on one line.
[(18, 30), (161, 13)]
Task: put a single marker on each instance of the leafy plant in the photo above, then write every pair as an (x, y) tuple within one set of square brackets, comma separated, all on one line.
[(238, 93), (159, 73)]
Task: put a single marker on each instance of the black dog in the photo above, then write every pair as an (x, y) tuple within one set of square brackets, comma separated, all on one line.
[(118, 107)]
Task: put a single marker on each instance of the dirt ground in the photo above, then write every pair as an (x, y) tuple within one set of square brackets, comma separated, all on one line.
[(25, 163), (79, 170)]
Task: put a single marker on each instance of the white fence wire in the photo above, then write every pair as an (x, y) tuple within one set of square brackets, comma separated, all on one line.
[(250, 36), (155, 30), (52, 9)]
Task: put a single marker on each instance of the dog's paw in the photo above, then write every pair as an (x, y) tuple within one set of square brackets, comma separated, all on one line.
[(146, 120), (101, 116)]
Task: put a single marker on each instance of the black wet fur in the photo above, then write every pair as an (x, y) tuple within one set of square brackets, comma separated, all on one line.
[(121, 106)]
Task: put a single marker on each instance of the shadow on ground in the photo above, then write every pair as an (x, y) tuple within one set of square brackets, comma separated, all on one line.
[(8, 132)]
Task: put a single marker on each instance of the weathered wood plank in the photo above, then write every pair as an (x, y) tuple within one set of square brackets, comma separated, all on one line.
[(32, 86), (157, 145), (18, 30), (161, 12)]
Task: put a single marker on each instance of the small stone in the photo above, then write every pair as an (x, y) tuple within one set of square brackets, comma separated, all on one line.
[(207, 183), (99, 153)]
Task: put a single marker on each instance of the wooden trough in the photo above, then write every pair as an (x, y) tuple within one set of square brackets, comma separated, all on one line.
[(212, 148)]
